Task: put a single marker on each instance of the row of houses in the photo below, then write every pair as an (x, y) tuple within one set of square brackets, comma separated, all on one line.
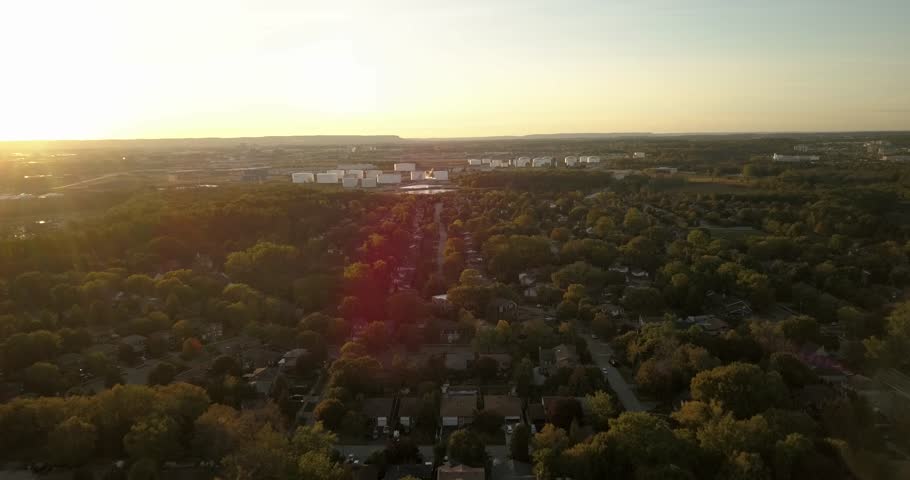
[(458, 410)]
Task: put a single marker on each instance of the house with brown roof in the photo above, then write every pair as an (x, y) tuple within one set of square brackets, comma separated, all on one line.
[(408, 410), (378, 410), (415, 470), (458, 410), (460, 472), (506, 405)]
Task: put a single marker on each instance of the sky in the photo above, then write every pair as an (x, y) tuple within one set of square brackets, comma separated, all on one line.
[(437, 68)]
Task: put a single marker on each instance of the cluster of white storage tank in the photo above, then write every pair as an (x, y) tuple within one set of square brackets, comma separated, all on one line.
[(541, 161), (524, 162), (303, 177), (328, 177), (388, 179), (369, 178)]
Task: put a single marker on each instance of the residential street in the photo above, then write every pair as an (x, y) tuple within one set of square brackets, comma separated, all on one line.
[(601, 353), (443, 236)]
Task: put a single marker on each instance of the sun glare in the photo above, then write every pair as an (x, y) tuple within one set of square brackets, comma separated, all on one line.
[(331, 79)]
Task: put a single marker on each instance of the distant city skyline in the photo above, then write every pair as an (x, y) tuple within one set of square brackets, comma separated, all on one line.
[(106, 69)]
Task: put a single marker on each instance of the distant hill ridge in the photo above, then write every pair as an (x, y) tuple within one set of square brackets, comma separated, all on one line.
[(351, 140)]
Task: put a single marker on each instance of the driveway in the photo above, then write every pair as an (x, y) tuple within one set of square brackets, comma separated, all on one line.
[(601, 352)]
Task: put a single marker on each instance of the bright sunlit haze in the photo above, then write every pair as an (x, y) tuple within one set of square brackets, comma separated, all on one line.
[(168, 68)]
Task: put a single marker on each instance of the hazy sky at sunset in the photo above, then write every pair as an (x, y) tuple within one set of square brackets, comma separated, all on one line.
[(419, 68)]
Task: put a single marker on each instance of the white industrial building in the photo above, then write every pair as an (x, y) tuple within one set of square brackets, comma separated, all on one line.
[(326, 178), (794, 158), (405, 167), (485, 161), (349, 182), (303, 177), (338, 173), (355, 173), (639, 155), (522, 162), (368, 182), (571, 161), (542, 162), (499, 163), (592, 159), (388, 178), (372, 173), (440, 174), (418, 175), (474, 162)]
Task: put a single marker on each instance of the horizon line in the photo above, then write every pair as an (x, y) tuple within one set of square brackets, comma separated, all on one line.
[(577, 135)]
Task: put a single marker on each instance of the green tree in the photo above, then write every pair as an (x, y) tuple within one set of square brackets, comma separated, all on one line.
[(319, 466), (226, 365), (266, 454), (794, 372), (314, 438), (162, 374), (519, 443), (551, 437), (744, 466), (800, 329), (72, 442), (144, 469), (602, 408), (645, 301), (635, 221), (139, 284), (467, 448), (890, 349), (156, 437), (330, 412), (43, 378), (641, 439), (217, 432), (742, 388)]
